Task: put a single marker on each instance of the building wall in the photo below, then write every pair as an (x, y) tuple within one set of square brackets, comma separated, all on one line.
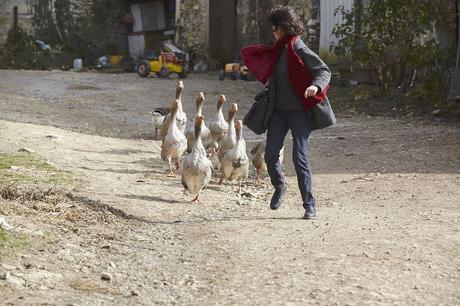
[(251, 23), (252, 20), (328, 21), (6, 16), (192, 26), (106, 12)]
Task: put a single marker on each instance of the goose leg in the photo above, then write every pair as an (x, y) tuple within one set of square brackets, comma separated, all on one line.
[(239, 187), (257, 177), (177, 164), (221, 179), (195, 200), (171, 173)]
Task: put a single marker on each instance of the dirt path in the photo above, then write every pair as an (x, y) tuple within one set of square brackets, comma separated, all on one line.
[(387, 230)]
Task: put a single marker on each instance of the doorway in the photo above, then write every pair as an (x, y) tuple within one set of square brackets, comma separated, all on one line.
[(222, 27)]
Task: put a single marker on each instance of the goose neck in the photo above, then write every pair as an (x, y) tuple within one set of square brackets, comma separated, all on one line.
[(199, 109), (231, 117)]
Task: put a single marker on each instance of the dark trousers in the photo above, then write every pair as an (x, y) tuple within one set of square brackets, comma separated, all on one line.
[(299, 124)]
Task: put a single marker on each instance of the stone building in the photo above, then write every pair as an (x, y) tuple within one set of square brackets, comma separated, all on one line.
[(211, 30), (216, 30), (7, 9)]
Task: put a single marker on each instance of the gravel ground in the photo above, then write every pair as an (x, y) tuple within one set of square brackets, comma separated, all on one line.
[(387, 230)]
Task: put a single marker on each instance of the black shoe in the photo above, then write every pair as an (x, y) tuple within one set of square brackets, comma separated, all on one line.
[(275, 203), (310, 212)]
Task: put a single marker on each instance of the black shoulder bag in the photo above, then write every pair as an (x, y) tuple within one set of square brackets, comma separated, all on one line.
[(255, 118)]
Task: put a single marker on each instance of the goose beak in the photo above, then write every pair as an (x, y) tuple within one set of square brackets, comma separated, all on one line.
[(179, 89), (221, 100)]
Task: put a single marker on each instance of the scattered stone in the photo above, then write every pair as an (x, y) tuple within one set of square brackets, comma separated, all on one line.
[(436, 111), (42, 277), (26, 150), (15, 281), (106, 276), (353, 82), (85, 270), (14, 168), (7, 267), (5, 225), (5, 275), (201, 66), (112, 264), (134, 293)]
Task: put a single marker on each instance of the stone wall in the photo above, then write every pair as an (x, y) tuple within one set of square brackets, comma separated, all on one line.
[(192, 26), (6, 16), (4, 22), (253, 26), (192, 21), (251, 23)]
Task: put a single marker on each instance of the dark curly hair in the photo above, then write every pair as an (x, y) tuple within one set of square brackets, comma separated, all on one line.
[(284, 17)]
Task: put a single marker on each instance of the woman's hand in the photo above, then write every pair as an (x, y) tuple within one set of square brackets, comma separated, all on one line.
[(311, 91)]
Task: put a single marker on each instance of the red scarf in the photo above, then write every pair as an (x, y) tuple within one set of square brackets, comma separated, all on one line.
[(261, 60)]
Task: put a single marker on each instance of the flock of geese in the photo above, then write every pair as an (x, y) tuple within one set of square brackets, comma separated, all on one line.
[(220, 137)]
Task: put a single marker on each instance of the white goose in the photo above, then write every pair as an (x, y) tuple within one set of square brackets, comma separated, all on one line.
[(218, 126), (235, 163), (197, 167), (205, 133), (181, 116), (158, 117), (228, 141), (174, 144)]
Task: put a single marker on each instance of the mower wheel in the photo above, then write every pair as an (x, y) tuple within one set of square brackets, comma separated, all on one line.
[(236, 75), (250, 77), (183, 74), (164, 73), (143, 69), (221, 75)]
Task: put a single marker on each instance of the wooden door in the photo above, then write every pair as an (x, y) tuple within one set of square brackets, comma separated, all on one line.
[(222, 25)]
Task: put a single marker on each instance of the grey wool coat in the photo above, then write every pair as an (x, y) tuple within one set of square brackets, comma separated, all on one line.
[(321, 115)]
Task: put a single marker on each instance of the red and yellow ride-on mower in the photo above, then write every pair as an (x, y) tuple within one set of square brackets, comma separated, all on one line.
[(171, 60), (236, 71)]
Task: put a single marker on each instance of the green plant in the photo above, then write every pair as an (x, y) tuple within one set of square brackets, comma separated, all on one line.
[(10, 241), (395, 37), (32, 169), (19, 49)]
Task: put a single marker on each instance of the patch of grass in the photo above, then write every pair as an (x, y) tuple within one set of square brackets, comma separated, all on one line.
[(9, 242), (30, 169), (23, 159)]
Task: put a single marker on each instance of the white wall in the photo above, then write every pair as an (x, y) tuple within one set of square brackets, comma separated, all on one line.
[(328, 20)]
